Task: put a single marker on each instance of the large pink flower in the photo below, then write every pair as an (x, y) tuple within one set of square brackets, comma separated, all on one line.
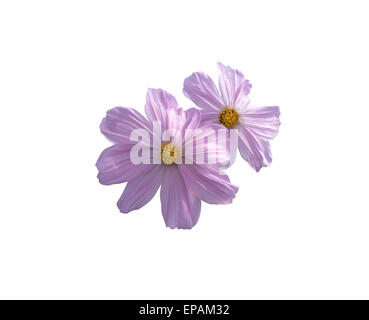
[(255, 125), (183, 186)]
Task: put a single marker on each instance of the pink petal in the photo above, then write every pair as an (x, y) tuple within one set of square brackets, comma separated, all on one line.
[(233, 86), (176, 119), (205, 144), (254, 150), (241, 99), (201, 89), (193, 118), (258, 125), (115, 166), (179, 206), (175, 123), (208, 183), (141, 190), (209, 117), (262, 122), (119, 123), (158, 102)]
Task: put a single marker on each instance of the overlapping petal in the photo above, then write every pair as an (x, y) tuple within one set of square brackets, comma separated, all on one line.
[(241, 99), (193, 118), (209, 117), (201, 89), (208, 183), (176, 119), (158, 102), (232, 84), (180, 207), (206, 144)]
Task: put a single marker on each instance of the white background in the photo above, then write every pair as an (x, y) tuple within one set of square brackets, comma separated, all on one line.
[(297, 229)]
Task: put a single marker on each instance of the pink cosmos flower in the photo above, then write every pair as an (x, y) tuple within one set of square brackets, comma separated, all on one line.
[(255, 125), (183, 185)]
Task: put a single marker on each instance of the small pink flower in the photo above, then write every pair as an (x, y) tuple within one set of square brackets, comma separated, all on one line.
[(183, 186), (255, 125)]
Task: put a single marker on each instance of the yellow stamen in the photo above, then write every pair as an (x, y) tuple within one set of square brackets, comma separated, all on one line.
[(169, 153), (228, 118)]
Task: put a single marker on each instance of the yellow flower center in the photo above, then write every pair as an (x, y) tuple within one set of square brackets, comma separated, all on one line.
[(228, 118), (169, 153)]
